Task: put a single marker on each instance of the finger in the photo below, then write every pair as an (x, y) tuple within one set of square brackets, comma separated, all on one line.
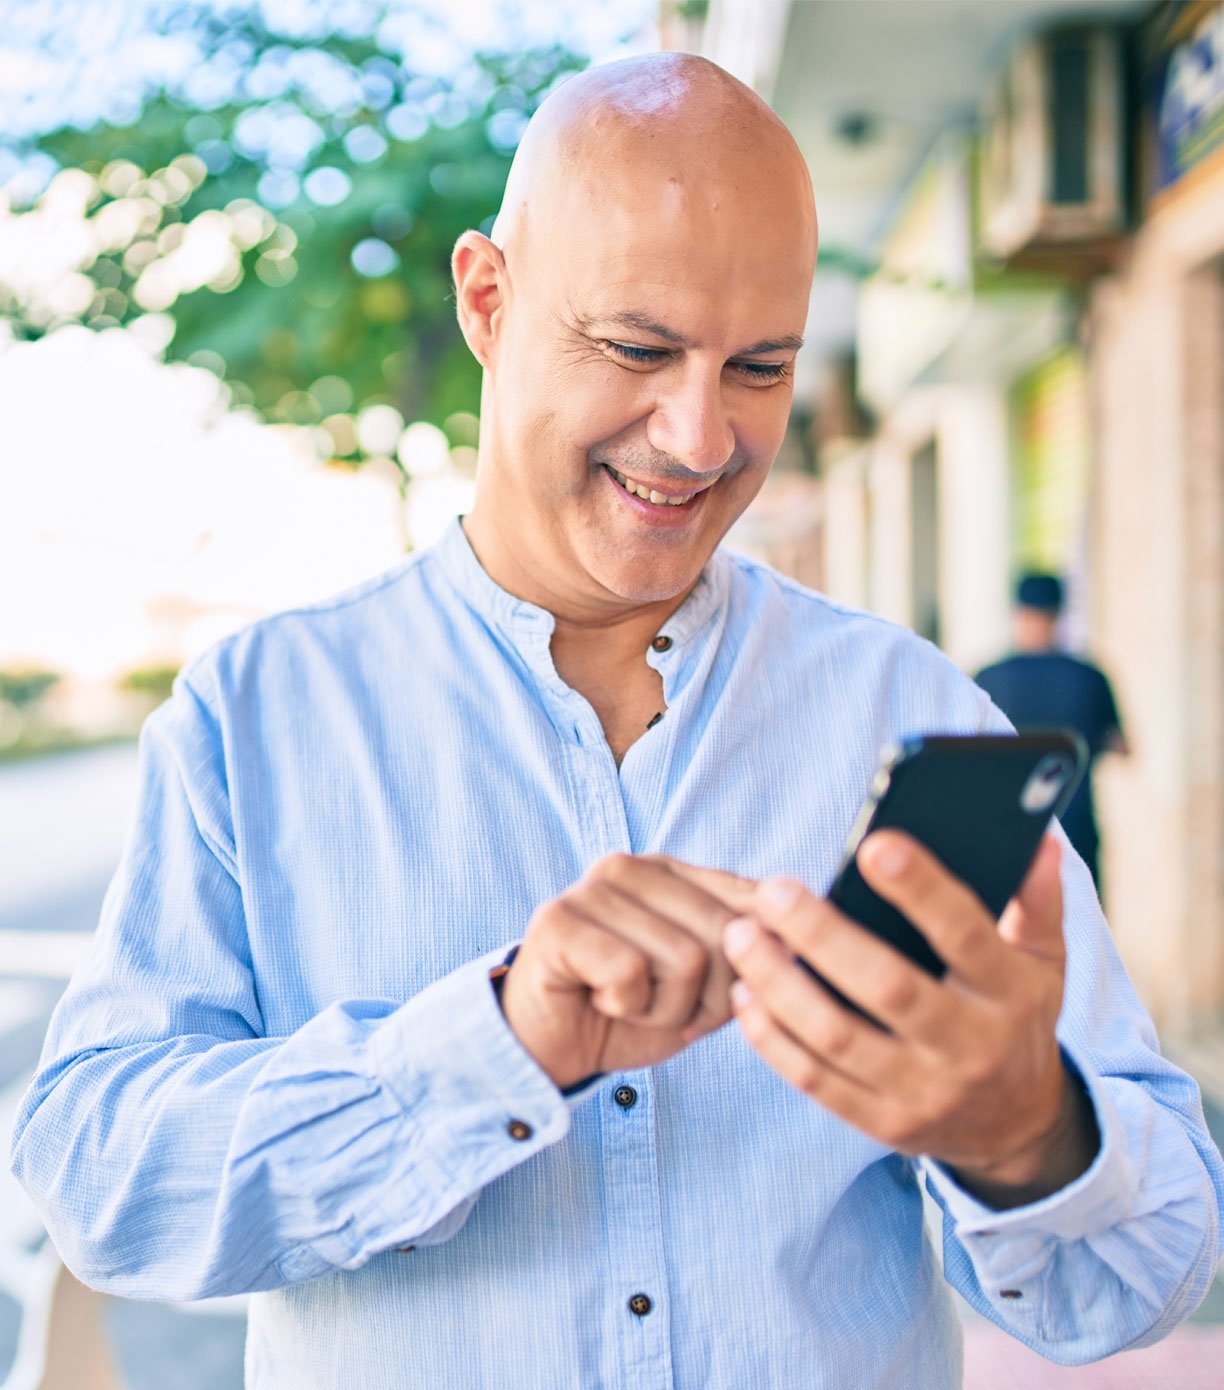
[(1033, 919), (862, 967), (715, 898), (615, 971), (730, 889), (953, 919), (678, 961), (856, 962), (811, 1075), (651, 880), (654, 882), (802, 1006)]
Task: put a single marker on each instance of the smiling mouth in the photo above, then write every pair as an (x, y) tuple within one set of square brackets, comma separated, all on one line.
[(648, 494)]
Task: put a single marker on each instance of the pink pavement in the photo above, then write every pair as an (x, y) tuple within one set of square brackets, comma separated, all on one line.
[(1191, 1358)]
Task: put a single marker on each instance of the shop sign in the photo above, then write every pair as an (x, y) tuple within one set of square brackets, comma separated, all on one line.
[(1189, 98)]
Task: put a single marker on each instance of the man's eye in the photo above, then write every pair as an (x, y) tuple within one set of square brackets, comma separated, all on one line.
[(762, 371), (636, 354)]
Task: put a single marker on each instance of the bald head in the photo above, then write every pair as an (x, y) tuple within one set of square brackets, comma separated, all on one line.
[(662, 123), (637, 312)]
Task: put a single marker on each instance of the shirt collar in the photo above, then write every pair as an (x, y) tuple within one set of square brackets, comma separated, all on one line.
[(520, 619)]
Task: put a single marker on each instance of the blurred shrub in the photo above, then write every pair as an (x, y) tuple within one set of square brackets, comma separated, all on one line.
[(152, 682), (22, 689)]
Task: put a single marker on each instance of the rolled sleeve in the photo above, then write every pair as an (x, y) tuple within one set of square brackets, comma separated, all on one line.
[(1113, 1259)]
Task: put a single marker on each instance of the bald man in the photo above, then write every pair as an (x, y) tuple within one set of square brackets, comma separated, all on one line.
[(406, 1012)]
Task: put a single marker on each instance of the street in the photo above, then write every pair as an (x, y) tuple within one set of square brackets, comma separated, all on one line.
[(62, 823)]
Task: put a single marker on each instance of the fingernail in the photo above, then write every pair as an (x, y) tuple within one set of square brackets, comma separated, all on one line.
[(778, 894), (741, 995), (889, 859), (739, 935)]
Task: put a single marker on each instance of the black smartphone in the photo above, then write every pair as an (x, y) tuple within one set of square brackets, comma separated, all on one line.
[(980, 803)]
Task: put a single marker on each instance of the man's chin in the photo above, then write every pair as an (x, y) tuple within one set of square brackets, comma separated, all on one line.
[(646, 582)]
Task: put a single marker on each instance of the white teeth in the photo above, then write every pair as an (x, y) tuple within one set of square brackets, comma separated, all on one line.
[(649, 494)]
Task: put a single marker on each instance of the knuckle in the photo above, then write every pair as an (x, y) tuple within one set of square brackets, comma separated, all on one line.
[(598, 893), (612, 868), (552, 917), (808, 1078), (964, 936), (751, 1023), (898, 991), (689, 958), (809, 935), (628, 970), (835, 1037), (818, 923)]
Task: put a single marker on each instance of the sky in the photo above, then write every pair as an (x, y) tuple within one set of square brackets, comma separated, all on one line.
[(130, 488), (50, 71)]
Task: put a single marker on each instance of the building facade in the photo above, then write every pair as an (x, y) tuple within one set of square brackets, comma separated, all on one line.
[(1028, 211)]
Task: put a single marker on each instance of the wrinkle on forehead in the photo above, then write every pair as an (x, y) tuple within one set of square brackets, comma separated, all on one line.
[(672, 128)]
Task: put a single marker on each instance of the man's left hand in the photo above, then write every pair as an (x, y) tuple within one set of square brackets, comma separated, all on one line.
[(970, 1072)]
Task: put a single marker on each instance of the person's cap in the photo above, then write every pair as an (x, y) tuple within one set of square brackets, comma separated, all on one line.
[(1043, 591)]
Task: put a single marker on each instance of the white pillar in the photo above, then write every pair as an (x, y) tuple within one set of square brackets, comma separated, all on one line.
[(846, 537), (890, 554), (974, 557)]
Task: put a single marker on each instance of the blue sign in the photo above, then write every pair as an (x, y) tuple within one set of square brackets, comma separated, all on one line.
[(1189, 100)]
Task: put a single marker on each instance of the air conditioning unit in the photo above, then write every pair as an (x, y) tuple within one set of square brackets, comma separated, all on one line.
[(1051, 174)]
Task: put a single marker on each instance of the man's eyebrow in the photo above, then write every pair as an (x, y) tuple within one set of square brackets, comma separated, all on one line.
[(632, 318), (788, 342)]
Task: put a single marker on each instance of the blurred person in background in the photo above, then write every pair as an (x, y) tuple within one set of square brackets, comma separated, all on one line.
[(406, 1009), (1040, 686)]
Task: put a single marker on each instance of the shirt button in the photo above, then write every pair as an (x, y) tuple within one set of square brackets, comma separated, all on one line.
[(518, 1129), (625, 1097), (662, 643), (404, 1249), (1010, 1293), (640, 1305)]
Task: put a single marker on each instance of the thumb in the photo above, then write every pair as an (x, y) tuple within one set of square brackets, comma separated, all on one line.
[(1033, 919)]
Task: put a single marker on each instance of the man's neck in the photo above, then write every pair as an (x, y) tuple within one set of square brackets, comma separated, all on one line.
[(598, 646), (596, 630)]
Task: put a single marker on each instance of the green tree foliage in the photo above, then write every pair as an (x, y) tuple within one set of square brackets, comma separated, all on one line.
[(21, 689), (292, 218)]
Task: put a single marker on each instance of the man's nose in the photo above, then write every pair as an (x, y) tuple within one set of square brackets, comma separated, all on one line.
[(692, 423)]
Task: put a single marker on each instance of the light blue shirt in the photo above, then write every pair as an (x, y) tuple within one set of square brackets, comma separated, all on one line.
[(283, 1068)]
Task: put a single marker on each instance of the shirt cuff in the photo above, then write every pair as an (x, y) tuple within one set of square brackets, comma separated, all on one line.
[(1099, 1198), (455, 1064)]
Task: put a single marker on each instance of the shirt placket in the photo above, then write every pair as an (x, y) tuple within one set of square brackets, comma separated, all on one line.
[(637, 1274)]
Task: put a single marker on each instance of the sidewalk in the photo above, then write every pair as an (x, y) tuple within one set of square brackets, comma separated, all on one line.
[(1191, 1358)]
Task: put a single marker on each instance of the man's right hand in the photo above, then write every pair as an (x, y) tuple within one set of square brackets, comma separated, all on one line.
[(625, 968)]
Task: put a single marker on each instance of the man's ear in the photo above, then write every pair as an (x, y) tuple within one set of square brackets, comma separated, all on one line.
[(479, 271)]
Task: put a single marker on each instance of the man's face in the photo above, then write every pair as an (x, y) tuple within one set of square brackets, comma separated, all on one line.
[(651, 344)]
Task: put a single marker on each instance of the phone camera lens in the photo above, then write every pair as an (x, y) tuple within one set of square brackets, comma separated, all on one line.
[(1045, 784)]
